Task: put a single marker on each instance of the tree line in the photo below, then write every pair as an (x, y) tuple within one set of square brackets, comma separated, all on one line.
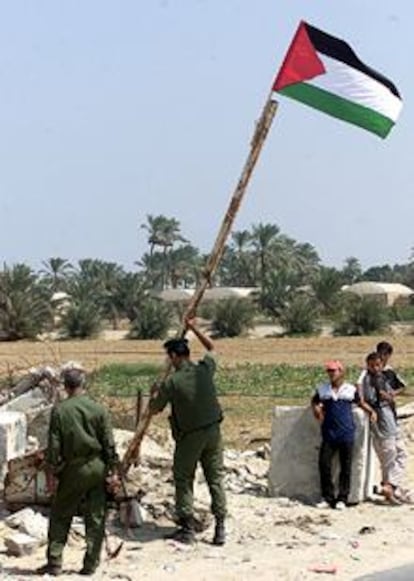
[(294, 288)]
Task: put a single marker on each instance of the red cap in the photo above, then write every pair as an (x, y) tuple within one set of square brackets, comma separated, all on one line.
[(334, 365)]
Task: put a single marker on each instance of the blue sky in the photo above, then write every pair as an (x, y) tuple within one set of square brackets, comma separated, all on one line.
[(110, 111)]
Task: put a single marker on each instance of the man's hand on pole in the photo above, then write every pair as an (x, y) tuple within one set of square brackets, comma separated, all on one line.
[(190, 325)]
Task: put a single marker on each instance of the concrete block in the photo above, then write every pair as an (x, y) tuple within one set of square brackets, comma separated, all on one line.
[(295, 448), (19, 544), (37, 409), (13, 431), (29, 522), (25, 482)]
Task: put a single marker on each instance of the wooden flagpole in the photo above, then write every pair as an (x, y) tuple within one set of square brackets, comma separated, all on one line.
[(261, 130)]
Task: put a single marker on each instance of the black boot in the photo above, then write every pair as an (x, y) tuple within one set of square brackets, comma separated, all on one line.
[(184, 533), (49, 569), (219, 538)]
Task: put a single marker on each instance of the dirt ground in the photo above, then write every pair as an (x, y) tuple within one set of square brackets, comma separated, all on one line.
[(269, 538)]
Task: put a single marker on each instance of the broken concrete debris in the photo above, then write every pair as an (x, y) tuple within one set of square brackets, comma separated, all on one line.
[(151, 481), (31, 532), (19, 544), (29, 522), (24, 422), (13, 430)]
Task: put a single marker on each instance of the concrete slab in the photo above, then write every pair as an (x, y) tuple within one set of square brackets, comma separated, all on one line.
[(294, 456), (13, 431), (37, 409)]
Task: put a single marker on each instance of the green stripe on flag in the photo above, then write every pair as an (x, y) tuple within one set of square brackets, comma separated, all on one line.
[(339, 107)]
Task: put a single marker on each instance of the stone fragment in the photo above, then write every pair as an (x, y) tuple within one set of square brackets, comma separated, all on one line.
[(15, 520), (36, 407), (20, 544), (29, 522)]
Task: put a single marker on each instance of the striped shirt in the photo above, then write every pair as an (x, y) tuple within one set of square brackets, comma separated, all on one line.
[(338, 424)]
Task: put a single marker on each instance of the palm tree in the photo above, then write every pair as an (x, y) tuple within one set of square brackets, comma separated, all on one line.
[(326, 288), (243, 261), (133, 293), (153, 269), (56, 271), (154, 226), (110, 280), (263, 238), (183, 263), (163, 232), (101, 281), (352, 270), (25, 309)]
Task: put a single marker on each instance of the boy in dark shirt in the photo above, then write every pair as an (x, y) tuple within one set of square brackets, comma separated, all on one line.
[(377, 399), (385, 351)]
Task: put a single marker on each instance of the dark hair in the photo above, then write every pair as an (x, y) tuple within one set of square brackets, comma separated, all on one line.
[(73, 378), (177, 346), (374, 356), (384, 348)]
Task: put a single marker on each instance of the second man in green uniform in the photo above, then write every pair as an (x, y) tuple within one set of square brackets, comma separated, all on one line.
[(195, 423)]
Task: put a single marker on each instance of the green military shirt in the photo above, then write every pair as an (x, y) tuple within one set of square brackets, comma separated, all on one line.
[(192, 394), (80, 429)]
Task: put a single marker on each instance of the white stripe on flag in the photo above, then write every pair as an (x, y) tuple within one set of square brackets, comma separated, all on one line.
[(349, 83)]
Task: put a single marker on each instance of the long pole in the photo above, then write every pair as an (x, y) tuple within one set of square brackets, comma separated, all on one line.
[(261, 131)]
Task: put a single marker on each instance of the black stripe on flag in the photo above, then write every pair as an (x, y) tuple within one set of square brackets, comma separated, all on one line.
[(338, 49)]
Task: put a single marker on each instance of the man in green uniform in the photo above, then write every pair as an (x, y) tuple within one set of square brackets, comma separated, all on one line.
[(195, 422), (81, 457)]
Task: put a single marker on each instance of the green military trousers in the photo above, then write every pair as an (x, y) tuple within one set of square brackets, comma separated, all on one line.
[(204, 446), (79, 482)]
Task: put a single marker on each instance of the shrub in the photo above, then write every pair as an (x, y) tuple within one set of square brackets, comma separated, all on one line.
[(207, 310), (83, 319), (300, 316), (402, 313), (152, 321), (360, 316), (232, 317)]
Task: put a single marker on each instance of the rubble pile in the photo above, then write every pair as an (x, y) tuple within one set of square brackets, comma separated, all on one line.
[(152, 483), (24, 420)]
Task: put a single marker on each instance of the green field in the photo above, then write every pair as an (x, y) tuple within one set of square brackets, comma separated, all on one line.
[(279, 381)]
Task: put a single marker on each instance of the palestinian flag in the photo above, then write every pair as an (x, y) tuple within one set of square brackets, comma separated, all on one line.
[(324, 72)]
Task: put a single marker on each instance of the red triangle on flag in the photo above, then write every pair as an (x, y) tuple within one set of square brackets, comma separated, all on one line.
[(301, 62)]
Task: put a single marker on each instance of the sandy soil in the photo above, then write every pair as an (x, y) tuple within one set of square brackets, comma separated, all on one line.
[(266, 540)]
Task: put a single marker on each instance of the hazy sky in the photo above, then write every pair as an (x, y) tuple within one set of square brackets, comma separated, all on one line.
[(111, 110)]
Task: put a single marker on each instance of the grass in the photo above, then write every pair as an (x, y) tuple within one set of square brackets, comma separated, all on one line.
[(248, 394), (124, 379), (283, 381)]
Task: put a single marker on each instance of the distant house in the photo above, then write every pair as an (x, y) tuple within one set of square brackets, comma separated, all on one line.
[(388, 293), (212, 294), (60, 302)]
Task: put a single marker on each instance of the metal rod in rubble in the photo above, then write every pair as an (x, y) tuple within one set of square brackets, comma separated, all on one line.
[(261, 130)]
